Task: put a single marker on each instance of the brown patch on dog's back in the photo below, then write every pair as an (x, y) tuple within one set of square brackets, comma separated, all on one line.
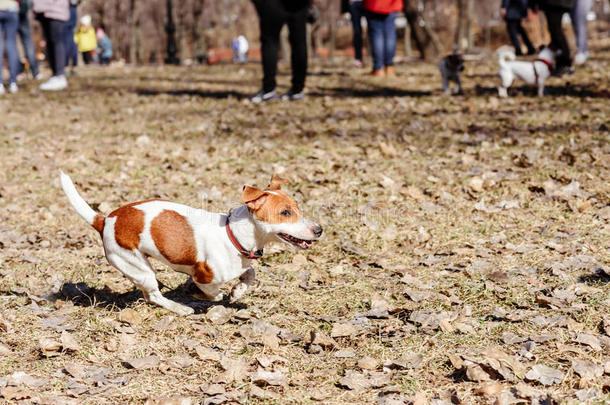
[(276, 202), (174, 238), (203, 273), (98, 223), (128, 226)]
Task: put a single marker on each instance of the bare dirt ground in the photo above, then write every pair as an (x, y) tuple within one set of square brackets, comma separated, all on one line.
[(465, 256)]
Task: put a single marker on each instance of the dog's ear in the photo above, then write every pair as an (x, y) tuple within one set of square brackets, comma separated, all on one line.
[(253, 197), (276, 182)]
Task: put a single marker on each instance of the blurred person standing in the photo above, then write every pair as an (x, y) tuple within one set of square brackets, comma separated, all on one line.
[(240, 49), (9, 20), (71, 49), (554, 11), (53, 15), (380, 17), (104, 47), (513, 12), (354, 8), (579, 24), (85, 39), (273, 14), (25, 35)]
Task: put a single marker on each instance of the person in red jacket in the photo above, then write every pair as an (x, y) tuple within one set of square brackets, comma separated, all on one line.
[(380, 16)]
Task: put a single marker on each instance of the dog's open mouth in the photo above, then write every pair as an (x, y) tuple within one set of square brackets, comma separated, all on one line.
[(300, 243)]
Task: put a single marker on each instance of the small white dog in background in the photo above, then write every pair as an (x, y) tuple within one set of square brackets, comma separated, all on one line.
[(535, 72)]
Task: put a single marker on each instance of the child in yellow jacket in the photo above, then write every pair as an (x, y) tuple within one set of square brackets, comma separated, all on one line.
[(85, 39)]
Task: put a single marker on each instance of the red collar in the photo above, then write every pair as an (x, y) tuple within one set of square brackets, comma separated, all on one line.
[(252, 254), (546, 62)]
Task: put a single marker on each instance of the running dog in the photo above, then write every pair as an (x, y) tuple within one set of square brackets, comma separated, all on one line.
[(213, 248)]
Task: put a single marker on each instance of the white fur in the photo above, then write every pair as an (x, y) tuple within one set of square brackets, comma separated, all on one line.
[(510, 69), (212, 244)]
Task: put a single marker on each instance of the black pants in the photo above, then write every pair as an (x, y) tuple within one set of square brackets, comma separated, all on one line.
[(53, 31), (558, 39), (273, 14), (515, 29), (88, 57)]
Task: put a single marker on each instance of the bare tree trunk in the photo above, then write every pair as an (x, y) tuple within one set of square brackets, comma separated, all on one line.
[(407, 38), (463, 33), (426, 41), (132, 33)]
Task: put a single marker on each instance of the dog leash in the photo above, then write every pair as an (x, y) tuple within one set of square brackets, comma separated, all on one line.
[(248, 254)]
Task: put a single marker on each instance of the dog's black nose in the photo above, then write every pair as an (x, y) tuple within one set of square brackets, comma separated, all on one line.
[(317, 231)]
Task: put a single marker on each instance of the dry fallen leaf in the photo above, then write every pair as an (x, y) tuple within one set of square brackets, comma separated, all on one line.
[(263, 377), (219, 314), (587, 369), (143, 363), (545, 375), (490, 390), (49, 347)]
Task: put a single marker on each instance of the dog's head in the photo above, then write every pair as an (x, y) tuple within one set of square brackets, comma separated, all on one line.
[(278, 214), (546, 53), (455, 62)]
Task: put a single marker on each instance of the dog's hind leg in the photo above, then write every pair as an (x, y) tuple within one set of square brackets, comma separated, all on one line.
[(212, 291), (136, 267), (245, 280)]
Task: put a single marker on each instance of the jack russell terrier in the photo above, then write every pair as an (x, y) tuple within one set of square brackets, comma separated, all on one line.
[(535, 72), (213, 248)]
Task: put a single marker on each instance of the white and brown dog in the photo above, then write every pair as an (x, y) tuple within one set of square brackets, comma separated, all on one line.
[(535, 72), (213, 248)]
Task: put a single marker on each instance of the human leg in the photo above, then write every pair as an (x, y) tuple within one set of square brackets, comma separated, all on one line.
[(512, 27), (57, 29), (375, 31), (389, 36), (71, 54), (297, 26), (558, 39), (271, 19), (530, 47), (355, 11), (579, 24), (11, 22), (25, 34)]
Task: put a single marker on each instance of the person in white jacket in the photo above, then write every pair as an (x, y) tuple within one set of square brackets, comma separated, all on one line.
[(53, 15)]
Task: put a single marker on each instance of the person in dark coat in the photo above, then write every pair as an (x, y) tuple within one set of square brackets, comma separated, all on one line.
[(273, 15), (513, 12), (554, 11)]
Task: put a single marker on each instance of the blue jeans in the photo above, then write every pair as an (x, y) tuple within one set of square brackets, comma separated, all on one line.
[(355, 11), (382, 33), (25, 34), (578, 15), (8, 30), (71, 49)]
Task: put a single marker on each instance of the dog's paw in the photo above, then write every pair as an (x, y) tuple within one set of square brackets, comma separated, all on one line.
[(183, 310), (238, 291)]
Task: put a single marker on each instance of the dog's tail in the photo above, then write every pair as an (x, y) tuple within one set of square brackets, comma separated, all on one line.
[(504, 55), (80, 205)]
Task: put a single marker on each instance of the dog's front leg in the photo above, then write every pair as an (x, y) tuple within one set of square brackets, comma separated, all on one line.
[(459, 84), (541, 90), (211, 291), (246, 279)]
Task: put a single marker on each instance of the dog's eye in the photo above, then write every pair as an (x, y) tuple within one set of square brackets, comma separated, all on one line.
[(286, 213)]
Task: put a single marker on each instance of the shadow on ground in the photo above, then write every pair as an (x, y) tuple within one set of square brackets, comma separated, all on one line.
[(81, 294)]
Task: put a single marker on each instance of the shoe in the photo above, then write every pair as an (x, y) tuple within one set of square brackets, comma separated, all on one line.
[(389, 71), (12, 88), (2, 91), (55, 83), (290, 95), (39, 77), (357, 63), (378, 73), (262, 97), (562, 70), (580, 58)]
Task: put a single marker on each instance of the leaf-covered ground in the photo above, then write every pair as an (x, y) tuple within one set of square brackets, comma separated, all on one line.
[(465, 256)]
